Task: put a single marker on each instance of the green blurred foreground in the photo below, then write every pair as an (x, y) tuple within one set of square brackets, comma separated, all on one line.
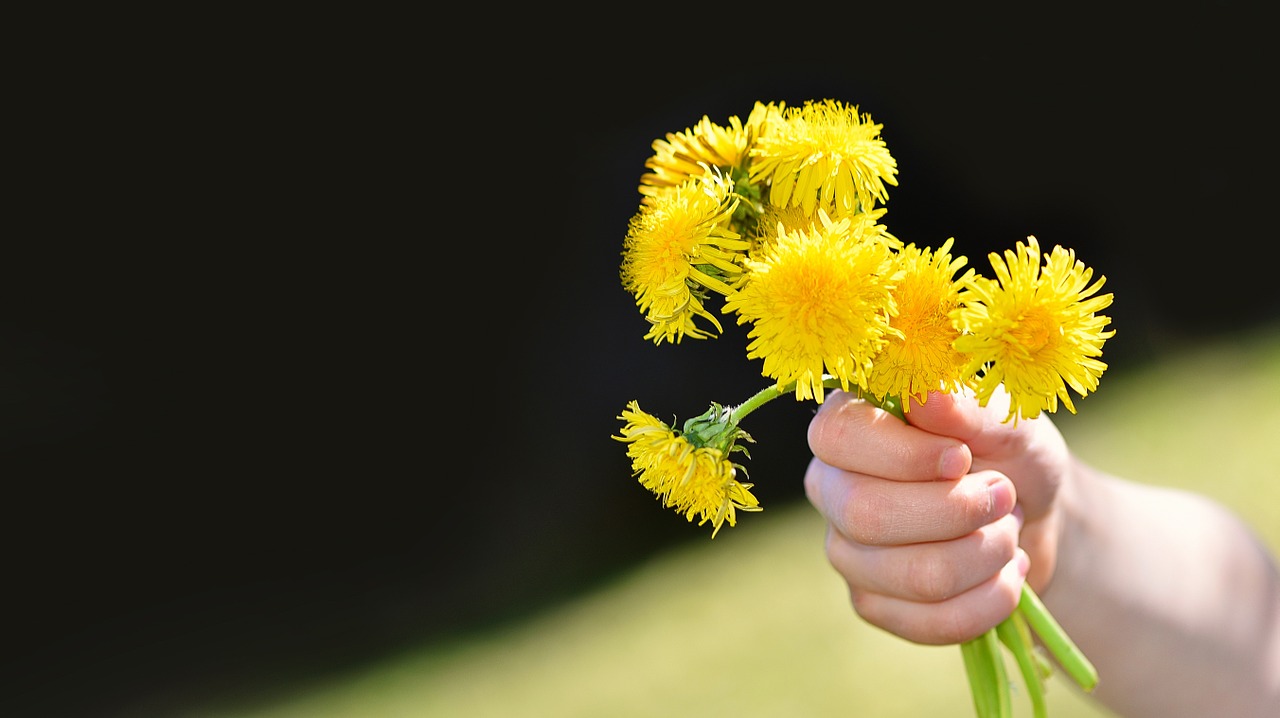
[(757, 623)]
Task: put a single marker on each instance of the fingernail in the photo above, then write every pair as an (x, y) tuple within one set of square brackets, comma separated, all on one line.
[(1002, 496), (1017, 514), (954, 462), (1024, 562)]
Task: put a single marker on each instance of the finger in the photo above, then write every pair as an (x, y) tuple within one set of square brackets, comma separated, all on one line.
[(1025, 449), (946, 414), (852, 434), (927, 572), (954, 620), (985, 430), (876, 512)]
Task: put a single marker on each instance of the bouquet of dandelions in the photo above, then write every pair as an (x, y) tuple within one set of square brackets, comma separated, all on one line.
[(779, 216)]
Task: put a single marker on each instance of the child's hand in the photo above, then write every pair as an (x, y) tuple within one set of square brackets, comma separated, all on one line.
[(921, 517)]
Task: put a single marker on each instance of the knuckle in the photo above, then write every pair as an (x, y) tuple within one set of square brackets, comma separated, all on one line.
[(928, 578), (862, 604), (867, 518), (833, 546), (919, 458), (827, 429), (817, 432), (811, 483), (976, 509), (1007, 544), (958, 626)]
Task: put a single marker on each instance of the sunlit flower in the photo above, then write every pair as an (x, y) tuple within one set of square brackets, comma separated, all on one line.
[(685, 155), (1036, 330), (678, 248), (693, 477), (922, 358), (864, 225), (824, 155), (819, 300)]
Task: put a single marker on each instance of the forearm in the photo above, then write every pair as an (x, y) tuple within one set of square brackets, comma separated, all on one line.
[(1171, 597)]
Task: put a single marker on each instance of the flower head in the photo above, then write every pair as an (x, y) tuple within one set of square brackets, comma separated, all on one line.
[(689, 471), (824, 154), (1035, 330), (922, 359), (685, 155), (864, 225), (819, 300), (676, 250)]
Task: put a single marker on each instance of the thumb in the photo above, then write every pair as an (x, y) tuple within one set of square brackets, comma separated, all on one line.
[(983, 428), (1031, 452), (954, 415)]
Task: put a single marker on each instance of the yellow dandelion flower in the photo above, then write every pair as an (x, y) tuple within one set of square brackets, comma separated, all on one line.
[(864, 225), (819, 301), (677, 249), (824, 154), (867, 226), (685, 155), (694, 480), (922, 358), (1034, 330)]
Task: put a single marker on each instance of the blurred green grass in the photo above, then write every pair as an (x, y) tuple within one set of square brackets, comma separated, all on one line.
[(757, 623)]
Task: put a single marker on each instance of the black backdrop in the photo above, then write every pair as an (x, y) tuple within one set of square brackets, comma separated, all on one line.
[(304, 364)]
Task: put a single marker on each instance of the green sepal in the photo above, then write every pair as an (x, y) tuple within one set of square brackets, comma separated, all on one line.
[(716, 429)]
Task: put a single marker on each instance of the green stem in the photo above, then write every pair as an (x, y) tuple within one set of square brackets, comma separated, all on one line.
[(1059, 645), (988, 682), (757, 400), (1015, 635), (771, 392)]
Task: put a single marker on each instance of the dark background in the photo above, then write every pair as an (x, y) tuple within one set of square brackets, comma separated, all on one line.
[(309, 361)]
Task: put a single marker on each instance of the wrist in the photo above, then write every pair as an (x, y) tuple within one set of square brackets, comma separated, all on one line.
[(1074, 534)]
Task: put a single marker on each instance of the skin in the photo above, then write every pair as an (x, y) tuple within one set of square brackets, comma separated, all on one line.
[(936, 523)]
